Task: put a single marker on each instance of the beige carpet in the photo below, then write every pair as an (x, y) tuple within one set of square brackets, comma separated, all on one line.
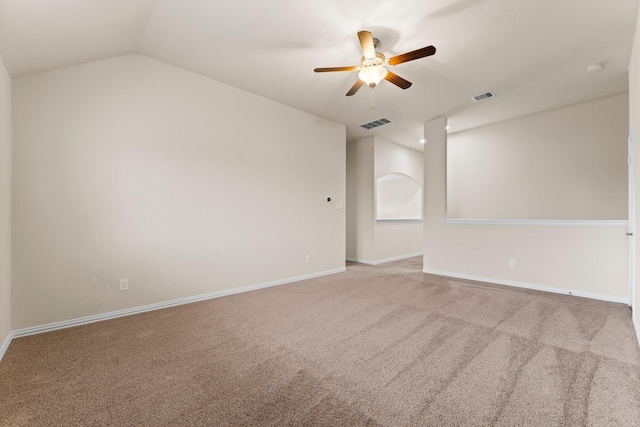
[(385, 345)]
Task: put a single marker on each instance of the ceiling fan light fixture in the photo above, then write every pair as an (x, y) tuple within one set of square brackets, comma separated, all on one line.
[(372, 65), (372, 75)]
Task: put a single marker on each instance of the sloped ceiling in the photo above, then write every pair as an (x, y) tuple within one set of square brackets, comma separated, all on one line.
[(532, 53)]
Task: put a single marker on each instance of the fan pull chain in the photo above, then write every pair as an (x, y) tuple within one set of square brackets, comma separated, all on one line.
[(372, 105)]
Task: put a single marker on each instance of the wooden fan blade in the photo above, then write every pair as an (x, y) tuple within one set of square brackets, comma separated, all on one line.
[(357, 85), (410, 56), (397, 80), (366, 42), (328, 69)]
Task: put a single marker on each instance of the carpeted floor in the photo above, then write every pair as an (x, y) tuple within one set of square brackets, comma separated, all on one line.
[(375, 346)]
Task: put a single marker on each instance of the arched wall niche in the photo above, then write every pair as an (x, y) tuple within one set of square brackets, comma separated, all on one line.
[(398, 198)]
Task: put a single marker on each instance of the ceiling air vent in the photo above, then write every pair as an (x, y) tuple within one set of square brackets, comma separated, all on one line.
[(378, 122), (482, 96)]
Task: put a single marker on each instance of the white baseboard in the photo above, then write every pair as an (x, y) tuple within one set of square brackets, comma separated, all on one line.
[(361, 261), (382, 261), (530, 286), (5, 345), (142, 309), (538, 222)]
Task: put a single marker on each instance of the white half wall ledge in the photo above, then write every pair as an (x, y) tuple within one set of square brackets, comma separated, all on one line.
[(157, 306), (541, 222), (531, 286), (5, 345), (383, 261)]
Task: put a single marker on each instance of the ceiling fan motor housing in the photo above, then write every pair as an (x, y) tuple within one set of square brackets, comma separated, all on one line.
[(371, 62)]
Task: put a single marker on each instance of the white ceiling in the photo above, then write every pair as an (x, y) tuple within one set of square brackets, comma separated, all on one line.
[(532, 53)]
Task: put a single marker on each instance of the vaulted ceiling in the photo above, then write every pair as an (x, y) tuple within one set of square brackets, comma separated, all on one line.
[(533, 54)]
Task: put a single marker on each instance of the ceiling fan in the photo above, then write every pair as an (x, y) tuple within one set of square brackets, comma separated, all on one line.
[(372, 65)]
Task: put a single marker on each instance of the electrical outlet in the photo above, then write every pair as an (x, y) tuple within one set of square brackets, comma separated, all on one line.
[(124, 284), (308, 258), (512, 263)]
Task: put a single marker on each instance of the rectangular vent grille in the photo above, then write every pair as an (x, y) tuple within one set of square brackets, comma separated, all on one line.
[(376, 123), (482, 96)]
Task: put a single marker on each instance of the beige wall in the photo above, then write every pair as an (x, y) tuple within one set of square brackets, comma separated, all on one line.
[(360, 200), (634, 132), (131, 168), (368, 240), (396, 239), (569, 163), (5, 204), (585, 260)]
